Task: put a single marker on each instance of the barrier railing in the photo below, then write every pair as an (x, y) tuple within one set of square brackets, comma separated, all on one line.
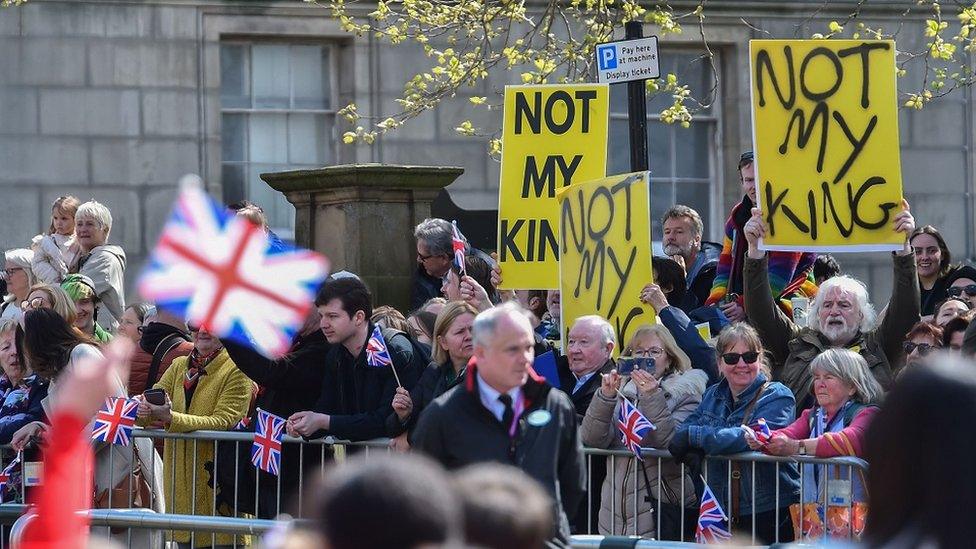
[(196, 518)]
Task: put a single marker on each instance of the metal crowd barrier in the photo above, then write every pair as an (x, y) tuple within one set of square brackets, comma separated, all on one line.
[(207, 521)]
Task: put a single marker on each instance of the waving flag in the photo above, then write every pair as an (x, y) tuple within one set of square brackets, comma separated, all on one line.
[(761, 430), (376, 352), (633, 426), (243, 424), (221, 272), (5, 476), (711, 520), (266, 451), (457, 242), (114, 422)]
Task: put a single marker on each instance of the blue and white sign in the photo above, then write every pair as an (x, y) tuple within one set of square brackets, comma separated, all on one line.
[(627, 60)]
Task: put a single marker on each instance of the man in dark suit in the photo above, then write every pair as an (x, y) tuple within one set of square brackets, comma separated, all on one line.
[(589, 346)]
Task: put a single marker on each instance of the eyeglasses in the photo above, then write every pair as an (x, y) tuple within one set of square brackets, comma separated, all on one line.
[(747, 158), (957, 291), (13, 270), (36, 303), (653, 351), (732, 359), (923, 348), (423, 258)]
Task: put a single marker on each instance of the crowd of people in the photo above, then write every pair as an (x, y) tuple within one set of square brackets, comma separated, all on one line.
[(792, 343)]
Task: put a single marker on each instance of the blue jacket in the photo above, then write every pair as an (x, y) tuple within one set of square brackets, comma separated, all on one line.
[(685, 333), (715, 427), (21, 405)]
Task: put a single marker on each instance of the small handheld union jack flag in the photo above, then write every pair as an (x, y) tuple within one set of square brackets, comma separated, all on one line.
[(761, 430), (114, 422), (243, 424), (5, 476), (633, 427), (457, 242), (223, 273), (376, 352), (711, 520), (266, 451)]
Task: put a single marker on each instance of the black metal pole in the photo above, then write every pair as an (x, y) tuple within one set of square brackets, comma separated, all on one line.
[(637, 109)]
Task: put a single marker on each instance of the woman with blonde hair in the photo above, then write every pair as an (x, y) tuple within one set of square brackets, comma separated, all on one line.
[(54, 297), (451, 349), (847, 394), (665, 395)]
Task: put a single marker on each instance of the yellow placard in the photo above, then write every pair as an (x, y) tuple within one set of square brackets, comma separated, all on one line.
[(825, 135), (552, 136), (605, 252)]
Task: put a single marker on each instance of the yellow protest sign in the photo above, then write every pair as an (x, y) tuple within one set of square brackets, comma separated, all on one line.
[(605, 252), (825, 135), (552, 136)]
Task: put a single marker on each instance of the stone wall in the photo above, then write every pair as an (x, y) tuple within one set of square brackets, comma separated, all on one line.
[(117, 100)]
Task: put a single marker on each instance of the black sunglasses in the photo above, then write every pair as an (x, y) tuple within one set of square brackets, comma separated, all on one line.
[(732, 359), (957, 291), (923, 348), (747, 158)]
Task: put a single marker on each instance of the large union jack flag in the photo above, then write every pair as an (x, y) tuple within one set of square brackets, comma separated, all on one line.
[(377, 354), (266, 451), (221, 272), (457, 243), (633, 427), (711, 520), (114, 422)]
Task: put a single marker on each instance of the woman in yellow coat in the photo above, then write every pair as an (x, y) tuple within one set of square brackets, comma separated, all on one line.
[(204, 391)]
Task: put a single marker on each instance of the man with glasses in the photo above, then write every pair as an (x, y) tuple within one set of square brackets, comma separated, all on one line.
[(434, 255), (840, 315), (791, 273)]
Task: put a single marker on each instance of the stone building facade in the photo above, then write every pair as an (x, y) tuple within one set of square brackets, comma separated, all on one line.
[(116, 100)]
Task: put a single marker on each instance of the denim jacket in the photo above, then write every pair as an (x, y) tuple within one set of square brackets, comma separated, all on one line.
[(715, 427)]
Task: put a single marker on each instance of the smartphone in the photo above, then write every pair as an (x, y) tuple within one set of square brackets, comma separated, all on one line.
[(626, 365), (156, 397)]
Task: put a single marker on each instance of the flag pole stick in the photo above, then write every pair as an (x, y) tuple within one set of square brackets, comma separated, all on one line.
[(395, 376)]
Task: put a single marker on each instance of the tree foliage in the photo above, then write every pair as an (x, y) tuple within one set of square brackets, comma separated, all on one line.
[(554, 42)]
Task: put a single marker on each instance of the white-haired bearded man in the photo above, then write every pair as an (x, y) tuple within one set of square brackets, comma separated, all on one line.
[(840, 315)]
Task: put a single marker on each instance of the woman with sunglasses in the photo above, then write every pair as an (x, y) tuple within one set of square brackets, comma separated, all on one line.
[(962, 284), (920, 341), (847, 395), (665, 396), (743, 397)]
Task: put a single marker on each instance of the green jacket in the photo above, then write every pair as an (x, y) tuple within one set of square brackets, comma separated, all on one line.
[(793, 348)]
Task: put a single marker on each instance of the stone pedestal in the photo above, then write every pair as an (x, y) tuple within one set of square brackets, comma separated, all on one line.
[(362, 218)]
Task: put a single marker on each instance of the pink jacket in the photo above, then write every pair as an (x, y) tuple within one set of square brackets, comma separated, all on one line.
[(847, 442)]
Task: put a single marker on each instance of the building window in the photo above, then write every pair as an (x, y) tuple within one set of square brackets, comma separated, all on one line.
[(683, 161), (277, 113)]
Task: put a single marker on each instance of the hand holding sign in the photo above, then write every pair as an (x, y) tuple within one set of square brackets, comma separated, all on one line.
[(755, 230), (905, 223), (652, 295)]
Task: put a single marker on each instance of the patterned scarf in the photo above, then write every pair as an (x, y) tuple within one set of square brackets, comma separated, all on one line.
[(197, 367)]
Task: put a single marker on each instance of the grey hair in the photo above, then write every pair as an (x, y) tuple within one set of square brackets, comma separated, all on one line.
[(483, 328), (606, 330), (851, 368), (436, 233), (22, 258), (850, 285), (680, 210), (8, 325), (97, 211)]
